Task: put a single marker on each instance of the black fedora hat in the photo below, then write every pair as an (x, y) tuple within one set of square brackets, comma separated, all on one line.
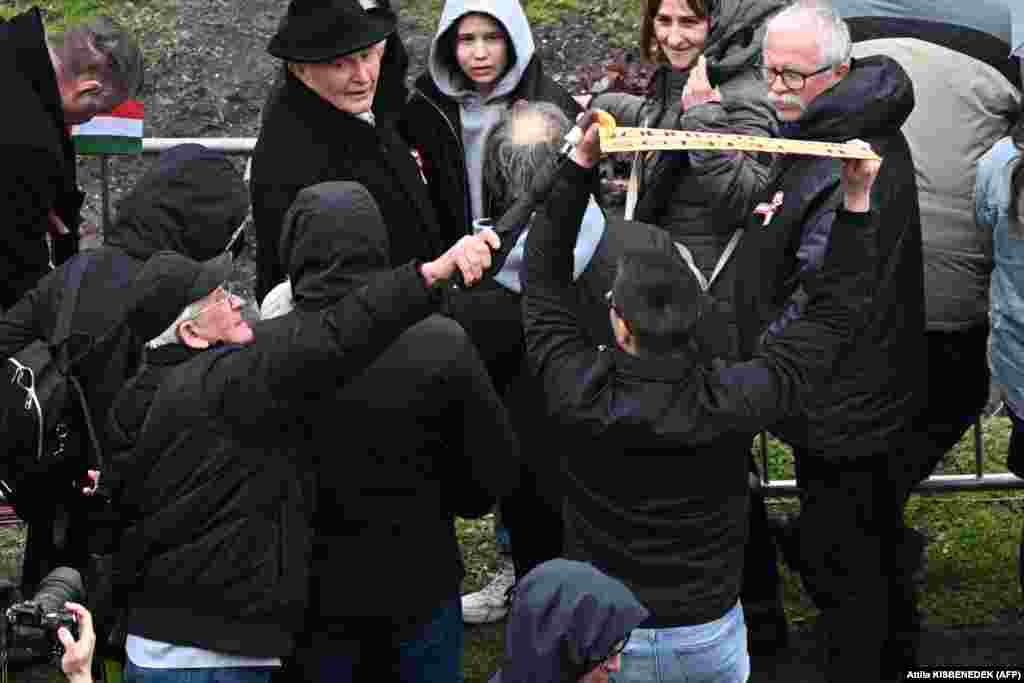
[(320, 30)]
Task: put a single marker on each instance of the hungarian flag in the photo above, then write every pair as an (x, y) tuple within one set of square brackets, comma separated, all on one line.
[(118, 131)]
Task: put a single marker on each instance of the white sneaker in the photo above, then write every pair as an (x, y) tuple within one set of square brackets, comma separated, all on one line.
[(490, 603)]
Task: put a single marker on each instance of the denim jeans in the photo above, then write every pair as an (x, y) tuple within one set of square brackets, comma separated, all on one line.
[(715, 652), (242, 674), (430, 652)]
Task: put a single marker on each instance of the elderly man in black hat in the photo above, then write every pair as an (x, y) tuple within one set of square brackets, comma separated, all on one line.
[(213, 564), (320, 125)]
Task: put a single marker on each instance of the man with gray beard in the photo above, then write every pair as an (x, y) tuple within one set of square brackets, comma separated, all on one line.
[(849, 441)]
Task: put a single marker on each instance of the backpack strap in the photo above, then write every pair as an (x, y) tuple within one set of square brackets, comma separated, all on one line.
[(62, 354), (723, 260)]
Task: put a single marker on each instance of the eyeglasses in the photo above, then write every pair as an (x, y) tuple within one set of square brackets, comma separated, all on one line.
[(793, 80), (226, 292)]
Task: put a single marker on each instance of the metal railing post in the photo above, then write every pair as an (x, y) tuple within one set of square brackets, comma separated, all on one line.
[(105, 189), (979, 449)]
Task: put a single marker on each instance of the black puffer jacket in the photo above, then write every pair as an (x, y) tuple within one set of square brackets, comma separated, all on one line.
[(642, 426), (448, 448), (38, 172), (883, 381), (431, 125), (219, 498)]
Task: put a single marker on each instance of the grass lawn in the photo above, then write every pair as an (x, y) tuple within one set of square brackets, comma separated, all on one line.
[(971, 571)]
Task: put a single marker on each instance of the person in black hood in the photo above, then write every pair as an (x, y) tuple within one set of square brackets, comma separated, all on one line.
[(849, 440), (191, 201), (448, 450), (569, 624), (51, 82)]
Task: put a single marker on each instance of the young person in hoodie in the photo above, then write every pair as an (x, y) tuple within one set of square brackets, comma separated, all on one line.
[(395, 493), (849, 441), (481, 61), (191, 201), (569, 624)]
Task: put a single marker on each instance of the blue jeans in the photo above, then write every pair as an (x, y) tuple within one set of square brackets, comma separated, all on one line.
[(715, 652), (242, 674), (430, 652)]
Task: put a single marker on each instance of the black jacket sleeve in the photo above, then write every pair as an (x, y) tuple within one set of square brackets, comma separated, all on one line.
[(33, 317), (303, 355), (556, 345), (792, 366)]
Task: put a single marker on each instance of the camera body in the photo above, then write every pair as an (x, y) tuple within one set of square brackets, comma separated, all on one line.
[(33, 628), (30, 626)]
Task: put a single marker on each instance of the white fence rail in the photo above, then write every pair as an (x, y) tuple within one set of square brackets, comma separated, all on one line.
[(979, 481)]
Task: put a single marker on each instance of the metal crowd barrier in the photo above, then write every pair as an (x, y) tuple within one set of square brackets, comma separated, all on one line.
[(945, 483)]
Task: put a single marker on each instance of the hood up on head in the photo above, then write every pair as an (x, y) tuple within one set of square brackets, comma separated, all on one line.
[(450, 79), (190, 201), (333, 241), (874, 99), (735, 33), (565, 615)]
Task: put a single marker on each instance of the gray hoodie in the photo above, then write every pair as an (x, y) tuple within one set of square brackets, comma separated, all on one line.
[(479, 114)]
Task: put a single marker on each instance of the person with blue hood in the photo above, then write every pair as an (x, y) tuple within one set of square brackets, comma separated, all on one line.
[(482, 59), (191, 201), (569, 624)]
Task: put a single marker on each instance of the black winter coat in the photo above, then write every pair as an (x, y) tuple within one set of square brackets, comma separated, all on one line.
[(883, 381), (431, 125), (219, 499), (399, 450), (38, 170), (304, 141), (652, 498)]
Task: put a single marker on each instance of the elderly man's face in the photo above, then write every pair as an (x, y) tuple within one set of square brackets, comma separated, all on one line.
[(348, 82), (791, 46), (220, 319)]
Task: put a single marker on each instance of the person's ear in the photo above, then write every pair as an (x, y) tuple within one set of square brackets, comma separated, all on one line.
[(86, 86), (191, 336), (623, 335)]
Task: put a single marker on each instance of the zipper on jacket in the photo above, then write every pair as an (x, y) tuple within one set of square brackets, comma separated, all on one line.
[(462, 154)]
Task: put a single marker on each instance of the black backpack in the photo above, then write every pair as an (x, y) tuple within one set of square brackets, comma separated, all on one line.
[(49, 437)]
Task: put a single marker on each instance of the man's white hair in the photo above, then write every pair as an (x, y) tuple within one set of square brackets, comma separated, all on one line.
[(170, 335), (829, 29)]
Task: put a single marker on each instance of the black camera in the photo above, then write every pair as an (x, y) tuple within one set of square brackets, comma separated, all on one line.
[(30, 626)]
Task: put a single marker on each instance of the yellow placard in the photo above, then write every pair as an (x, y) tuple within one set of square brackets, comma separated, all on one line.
[(617, 139)]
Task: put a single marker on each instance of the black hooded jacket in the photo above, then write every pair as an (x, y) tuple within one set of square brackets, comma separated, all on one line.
[(883, 381), (218, 493), (566, 617), (38, 170), (425, 436), (190, 201)]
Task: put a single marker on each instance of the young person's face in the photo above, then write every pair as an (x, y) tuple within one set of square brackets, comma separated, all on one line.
[(481, 50), (680, 33)]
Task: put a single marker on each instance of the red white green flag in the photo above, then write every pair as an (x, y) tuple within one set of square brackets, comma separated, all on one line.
[(118, 131)]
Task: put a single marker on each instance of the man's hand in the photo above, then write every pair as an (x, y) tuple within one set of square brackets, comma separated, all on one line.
[(858, 177), (77, 660), (588, 152), (698, 88), (471, 255)]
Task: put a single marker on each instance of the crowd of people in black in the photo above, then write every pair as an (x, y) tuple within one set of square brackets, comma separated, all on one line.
[(451, 322)]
